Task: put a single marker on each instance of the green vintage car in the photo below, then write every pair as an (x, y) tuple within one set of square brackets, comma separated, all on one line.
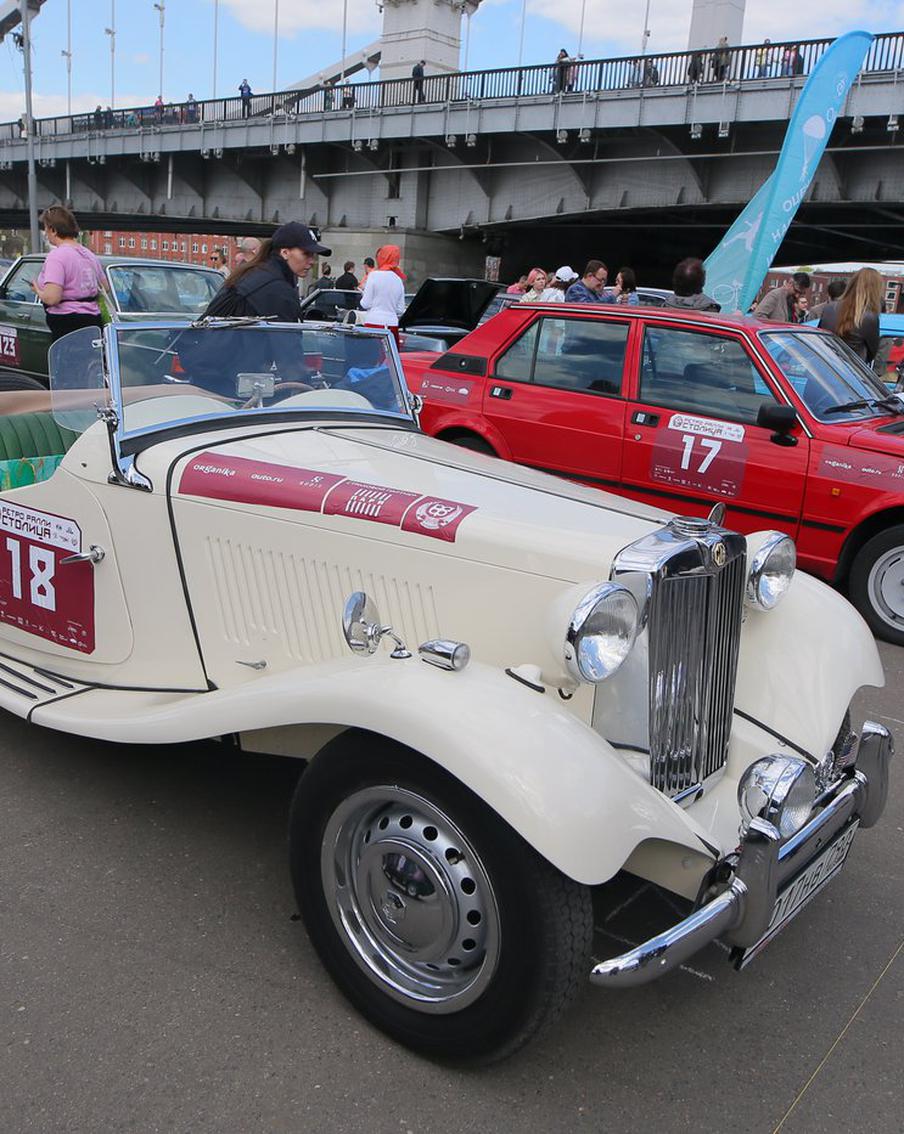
[(140, 289)]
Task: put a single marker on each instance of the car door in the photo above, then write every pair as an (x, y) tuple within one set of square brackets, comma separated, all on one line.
[(555, 395), (24, 335), (691, 438)]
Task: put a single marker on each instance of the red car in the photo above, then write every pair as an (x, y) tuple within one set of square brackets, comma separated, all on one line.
[(783, 424)]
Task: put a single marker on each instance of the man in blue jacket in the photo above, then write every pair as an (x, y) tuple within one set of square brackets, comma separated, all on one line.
[(589, 288)]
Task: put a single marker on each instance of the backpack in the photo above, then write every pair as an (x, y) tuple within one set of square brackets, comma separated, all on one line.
[(235, 302), (228, 303)]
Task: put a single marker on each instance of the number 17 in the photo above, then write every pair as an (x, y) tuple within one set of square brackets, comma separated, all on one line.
[(713, 446)]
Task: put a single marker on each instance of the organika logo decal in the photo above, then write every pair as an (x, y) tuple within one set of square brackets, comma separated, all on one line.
[(434, 514)]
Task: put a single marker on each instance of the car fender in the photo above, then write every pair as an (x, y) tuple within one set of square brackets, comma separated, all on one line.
[(533, 761), (819, 651)]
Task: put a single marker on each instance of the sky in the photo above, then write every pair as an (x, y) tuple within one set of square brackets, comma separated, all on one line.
[(310, 37)]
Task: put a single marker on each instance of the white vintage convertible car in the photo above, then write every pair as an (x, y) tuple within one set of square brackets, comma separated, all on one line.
[(506, 689)]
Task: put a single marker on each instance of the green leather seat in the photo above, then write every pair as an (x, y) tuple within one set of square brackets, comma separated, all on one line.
[(32, 435), (31, 447)]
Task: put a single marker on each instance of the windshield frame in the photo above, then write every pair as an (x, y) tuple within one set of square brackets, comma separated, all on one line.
[(864, 372), (133, 441)]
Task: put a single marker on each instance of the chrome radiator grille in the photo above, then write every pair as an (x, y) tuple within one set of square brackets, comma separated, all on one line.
[(669, 708), (694, 628)]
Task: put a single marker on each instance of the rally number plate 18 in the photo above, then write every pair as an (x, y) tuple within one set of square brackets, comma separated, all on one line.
[(801, 889)]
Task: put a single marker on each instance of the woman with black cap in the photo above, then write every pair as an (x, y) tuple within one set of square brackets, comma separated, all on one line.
[(267, 285)]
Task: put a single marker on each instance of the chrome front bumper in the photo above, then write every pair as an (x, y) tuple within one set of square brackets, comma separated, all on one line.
[(740, 915)]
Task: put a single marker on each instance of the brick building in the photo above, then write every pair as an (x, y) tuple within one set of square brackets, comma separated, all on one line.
[(188, 248)]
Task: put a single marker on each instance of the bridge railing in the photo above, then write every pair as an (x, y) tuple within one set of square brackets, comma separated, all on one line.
[(714, 66)]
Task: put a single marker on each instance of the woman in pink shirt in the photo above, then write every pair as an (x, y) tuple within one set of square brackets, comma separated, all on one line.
[(72, 277)]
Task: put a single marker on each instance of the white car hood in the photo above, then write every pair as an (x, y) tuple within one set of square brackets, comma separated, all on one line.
[(401, 487)]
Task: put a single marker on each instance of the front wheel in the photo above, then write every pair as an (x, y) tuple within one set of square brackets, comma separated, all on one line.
[(876, 584), (438, 922)]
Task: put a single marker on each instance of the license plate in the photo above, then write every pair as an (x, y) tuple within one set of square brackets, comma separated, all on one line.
[(801, 889)]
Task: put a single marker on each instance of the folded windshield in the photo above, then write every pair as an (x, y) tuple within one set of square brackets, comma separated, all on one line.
[(169, 375)]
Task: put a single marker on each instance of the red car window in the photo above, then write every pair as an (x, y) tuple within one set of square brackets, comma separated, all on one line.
[(700, 373), (585, 355)]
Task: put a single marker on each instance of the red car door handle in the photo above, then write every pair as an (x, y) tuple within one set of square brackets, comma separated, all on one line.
[(503, 392), (644, 417)]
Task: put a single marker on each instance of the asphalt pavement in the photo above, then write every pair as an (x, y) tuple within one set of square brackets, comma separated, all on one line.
[(154, 977)]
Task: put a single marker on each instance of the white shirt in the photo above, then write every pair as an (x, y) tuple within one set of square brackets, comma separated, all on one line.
[(383, 298)]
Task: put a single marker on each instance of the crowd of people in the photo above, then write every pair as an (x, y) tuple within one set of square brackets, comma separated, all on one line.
[(851, 309)]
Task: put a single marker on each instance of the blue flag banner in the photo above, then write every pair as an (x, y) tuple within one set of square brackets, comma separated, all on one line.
[(736, 269)]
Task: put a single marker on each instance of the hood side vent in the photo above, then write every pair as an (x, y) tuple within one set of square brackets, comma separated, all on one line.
[(285, 604)]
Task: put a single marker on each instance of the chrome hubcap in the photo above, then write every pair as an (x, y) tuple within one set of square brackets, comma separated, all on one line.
[(886, 587), (410, 898)]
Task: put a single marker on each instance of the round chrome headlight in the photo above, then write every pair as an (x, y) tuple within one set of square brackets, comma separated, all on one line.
[(771, 571), (779, 789), (601, 633)]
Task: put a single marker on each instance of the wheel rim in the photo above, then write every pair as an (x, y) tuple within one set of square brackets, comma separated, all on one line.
[(886, 587), (411, 899)]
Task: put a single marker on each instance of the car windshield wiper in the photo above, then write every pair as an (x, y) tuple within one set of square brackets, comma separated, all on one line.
[(892, 404)]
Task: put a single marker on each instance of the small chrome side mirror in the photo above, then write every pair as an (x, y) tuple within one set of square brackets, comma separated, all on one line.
[(363, 629), (361, 624)]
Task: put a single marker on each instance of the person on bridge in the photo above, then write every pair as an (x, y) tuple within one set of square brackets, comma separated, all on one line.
[(855, 317), (384, 292), (417, 74), (777, 305), (71, 279), (721, 61), (688, 281), (245, 92), (589, 288), (268, 284)]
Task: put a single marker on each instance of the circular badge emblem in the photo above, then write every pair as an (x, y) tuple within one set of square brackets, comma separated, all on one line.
[(435, 515), (720, 555)]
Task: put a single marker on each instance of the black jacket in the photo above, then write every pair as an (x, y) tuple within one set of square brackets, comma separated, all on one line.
[(862, 339), (272, 289), (346, 282)]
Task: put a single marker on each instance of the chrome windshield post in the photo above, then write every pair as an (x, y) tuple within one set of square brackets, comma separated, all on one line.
[(123, 471)]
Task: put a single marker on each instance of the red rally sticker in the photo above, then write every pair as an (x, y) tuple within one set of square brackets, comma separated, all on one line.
[(9, 346), (436, 517), (37, 593), (700, 453), (256, 482), (283, 486)]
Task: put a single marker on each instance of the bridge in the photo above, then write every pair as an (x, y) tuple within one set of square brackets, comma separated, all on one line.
[(641, 159)]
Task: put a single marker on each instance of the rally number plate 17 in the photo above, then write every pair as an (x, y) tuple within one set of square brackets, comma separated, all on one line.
[(801, 889)]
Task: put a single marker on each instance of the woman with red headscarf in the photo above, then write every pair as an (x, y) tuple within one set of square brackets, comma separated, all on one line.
[(384, 293)]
